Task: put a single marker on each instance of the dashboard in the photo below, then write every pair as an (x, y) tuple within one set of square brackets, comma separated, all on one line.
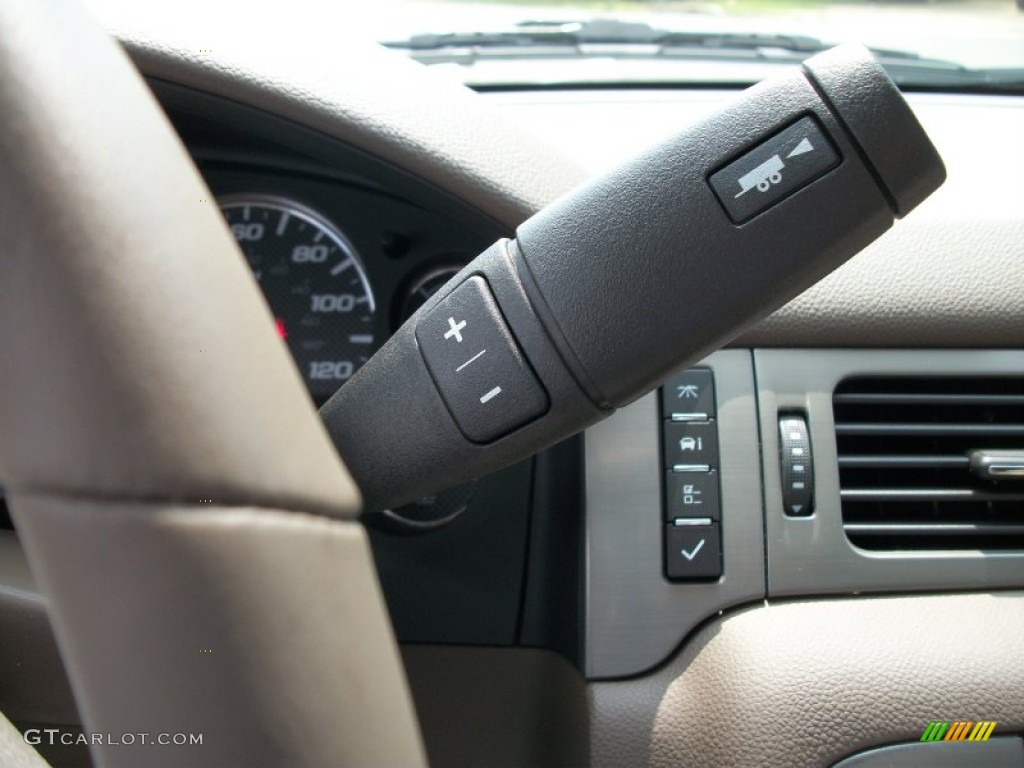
[(346, 246), (345, 249)]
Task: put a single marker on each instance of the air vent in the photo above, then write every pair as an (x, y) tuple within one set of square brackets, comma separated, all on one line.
[(931, 463)]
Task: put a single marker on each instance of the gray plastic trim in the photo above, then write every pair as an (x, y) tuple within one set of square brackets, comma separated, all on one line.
[(812, 554), (635, 617)]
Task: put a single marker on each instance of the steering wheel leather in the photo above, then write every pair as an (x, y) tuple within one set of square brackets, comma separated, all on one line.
[(181, 505)]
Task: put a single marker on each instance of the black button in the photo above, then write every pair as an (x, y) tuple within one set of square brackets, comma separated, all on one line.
[(477, 366), (689, 395), (797, 467), (692, 495), (691, 445), (773, 170), (693, 552)]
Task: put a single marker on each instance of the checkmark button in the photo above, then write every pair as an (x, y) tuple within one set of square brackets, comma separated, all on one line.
[(692, 551)]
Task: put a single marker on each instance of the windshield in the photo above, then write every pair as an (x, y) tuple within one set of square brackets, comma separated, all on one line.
[(927, 44)]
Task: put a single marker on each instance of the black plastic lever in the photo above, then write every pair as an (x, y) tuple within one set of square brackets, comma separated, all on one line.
[(635, 274)]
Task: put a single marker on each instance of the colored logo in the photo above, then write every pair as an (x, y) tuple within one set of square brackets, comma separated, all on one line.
[(958, 730)]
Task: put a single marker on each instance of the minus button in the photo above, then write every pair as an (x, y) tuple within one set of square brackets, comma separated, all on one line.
[(491, 395)]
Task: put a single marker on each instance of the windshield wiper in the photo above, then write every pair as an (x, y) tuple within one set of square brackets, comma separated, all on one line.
[(573, 34), (638, 40)]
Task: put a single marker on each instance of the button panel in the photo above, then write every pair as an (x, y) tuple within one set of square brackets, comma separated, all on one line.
[(692, 511), (773, 170), (477, 366)]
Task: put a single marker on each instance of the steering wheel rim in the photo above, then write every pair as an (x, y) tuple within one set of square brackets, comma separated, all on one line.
[(180, 503)]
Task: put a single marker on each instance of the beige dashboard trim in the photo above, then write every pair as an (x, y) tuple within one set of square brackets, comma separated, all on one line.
[(808, 682)]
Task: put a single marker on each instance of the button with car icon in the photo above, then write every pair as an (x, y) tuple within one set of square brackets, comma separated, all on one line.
[(691, 444)]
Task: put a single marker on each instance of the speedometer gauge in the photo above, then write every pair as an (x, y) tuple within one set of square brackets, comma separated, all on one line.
[(314, 282)]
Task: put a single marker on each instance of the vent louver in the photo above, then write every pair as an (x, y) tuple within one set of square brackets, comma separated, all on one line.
[(905, 448)]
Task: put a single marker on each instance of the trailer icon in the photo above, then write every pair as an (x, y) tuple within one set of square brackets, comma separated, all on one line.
[(762, 177)]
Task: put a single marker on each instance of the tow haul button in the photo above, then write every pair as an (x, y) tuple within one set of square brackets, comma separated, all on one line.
[(773, 170)]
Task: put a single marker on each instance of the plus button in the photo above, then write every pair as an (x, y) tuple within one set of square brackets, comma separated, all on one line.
[(455, 329)]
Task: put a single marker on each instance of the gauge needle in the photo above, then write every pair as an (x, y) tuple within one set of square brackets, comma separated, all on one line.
[(279, 321)]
